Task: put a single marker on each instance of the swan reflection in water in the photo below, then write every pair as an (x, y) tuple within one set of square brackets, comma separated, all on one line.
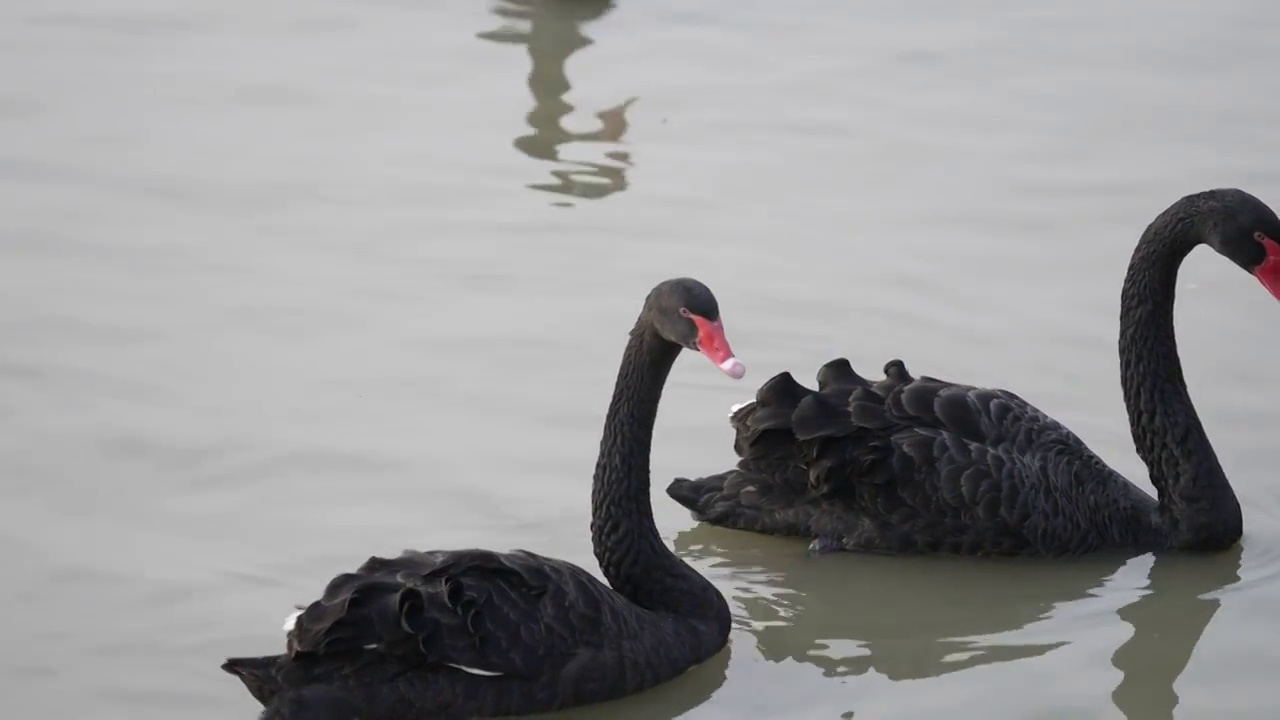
[(552, 32), (672, 699), (909, 618)]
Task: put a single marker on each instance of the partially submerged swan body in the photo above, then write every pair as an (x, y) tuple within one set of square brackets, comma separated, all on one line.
[(476, 633), (920, 465)]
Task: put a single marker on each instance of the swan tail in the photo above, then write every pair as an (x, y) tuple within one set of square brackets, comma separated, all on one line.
[(698, 495), (747, 501), (260, 675)]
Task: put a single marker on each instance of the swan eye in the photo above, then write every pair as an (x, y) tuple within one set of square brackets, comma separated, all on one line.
[(1260, 237), (684, 311)]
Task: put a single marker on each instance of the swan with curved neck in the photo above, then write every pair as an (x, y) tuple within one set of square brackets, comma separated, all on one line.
[(922, 465), (477, 633)]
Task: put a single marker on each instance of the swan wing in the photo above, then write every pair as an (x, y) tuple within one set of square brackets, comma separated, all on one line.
[(901, 460), (511, 614)]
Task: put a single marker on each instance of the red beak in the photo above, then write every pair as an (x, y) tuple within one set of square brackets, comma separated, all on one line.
[(713, 344), (1268, 272)]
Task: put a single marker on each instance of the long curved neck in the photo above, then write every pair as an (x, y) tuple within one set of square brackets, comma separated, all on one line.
[(1198, 508), (626, 542)]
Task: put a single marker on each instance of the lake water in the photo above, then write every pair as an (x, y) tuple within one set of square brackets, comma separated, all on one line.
[(283, 285)]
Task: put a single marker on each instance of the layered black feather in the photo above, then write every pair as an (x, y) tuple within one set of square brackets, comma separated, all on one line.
[(437, 608), (907, 464), (472, 631)]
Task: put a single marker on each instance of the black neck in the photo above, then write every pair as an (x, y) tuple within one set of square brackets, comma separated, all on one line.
[(1197, 506), (631, 553)]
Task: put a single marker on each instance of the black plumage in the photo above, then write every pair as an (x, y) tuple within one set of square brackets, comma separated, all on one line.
[(919, 465), (477, 633)]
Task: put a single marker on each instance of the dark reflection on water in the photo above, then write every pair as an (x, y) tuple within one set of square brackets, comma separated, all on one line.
[(914, 618), (665, 702), (1167, 623), (552, 32)]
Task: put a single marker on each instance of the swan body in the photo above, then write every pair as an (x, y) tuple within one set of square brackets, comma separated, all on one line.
[(477, 633), (458, 627), (916, 465), (910, 464)]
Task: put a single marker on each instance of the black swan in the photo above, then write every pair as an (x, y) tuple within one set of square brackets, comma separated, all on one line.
[(922, 465), (477, 633)]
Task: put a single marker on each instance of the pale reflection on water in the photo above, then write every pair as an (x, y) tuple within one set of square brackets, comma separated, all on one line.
[(280, 289), (552, 32)]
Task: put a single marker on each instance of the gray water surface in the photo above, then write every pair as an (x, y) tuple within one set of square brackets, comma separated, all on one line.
[(284, 285)]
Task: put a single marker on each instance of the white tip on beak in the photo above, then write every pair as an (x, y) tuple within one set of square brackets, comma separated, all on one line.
[(733, 367)]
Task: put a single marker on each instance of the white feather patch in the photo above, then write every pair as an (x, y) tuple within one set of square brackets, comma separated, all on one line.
[(475, 671), (291, 621), (735, 408)]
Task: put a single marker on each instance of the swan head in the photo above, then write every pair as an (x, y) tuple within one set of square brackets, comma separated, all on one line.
[(683, 311), (1241, 228)]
